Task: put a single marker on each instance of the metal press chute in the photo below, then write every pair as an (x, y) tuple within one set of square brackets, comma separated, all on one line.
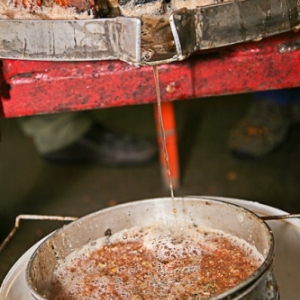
[(175, 35)]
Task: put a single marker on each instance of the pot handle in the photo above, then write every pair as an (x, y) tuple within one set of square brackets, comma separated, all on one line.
[(33, 217), (280, 217)]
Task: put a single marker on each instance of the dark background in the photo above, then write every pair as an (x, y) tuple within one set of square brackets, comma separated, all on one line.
[(28, 185)]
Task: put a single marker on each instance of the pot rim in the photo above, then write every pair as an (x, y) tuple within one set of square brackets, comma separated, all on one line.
[(228, 294)]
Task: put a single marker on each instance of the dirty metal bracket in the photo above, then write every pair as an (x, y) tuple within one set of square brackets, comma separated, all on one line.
[(232, 22), (206, 27), (78, 40)]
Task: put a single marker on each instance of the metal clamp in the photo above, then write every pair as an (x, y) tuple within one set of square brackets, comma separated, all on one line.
[(230, 23), (77, 40)]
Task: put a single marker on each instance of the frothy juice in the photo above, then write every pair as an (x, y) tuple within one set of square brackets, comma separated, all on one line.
[(153, 263)]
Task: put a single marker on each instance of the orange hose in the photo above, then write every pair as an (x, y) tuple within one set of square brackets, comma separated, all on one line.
[(169, 125)]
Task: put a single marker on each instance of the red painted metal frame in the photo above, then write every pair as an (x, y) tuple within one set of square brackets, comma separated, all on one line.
[(32, 87)]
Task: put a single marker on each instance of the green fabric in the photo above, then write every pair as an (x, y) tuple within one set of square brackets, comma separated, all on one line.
[(55, 131)]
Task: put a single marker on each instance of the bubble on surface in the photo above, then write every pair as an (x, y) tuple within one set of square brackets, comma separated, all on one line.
[(157, 260)]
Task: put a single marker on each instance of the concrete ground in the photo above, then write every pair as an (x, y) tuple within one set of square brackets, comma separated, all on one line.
[(29, 185)]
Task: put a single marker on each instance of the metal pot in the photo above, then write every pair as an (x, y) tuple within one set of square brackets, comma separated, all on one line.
[(211, 213)]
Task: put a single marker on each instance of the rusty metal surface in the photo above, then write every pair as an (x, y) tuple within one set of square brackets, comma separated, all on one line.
[(45, 87), (233, 22)]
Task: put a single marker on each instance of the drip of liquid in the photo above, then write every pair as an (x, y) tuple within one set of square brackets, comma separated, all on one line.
[(163, 135)]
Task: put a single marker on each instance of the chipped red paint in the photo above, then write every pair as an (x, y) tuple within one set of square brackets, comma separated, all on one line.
[(46, 87)]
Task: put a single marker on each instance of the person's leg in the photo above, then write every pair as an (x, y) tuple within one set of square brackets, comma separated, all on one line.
[(75, 138), (266, 123), (55, 131)]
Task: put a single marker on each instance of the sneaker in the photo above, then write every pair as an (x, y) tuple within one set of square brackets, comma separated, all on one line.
[(103, 146), (263, 129)]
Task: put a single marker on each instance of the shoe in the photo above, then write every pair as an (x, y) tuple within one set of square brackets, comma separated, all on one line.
[(263, 129), (103, 146)]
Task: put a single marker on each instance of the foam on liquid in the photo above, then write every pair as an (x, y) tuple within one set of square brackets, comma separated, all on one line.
[(80, 273)]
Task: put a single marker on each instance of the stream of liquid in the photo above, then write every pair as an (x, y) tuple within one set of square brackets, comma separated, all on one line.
[(163, 134)]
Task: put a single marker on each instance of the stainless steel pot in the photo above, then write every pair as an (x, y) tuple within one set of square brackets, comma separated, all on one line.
[(211, 213)]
